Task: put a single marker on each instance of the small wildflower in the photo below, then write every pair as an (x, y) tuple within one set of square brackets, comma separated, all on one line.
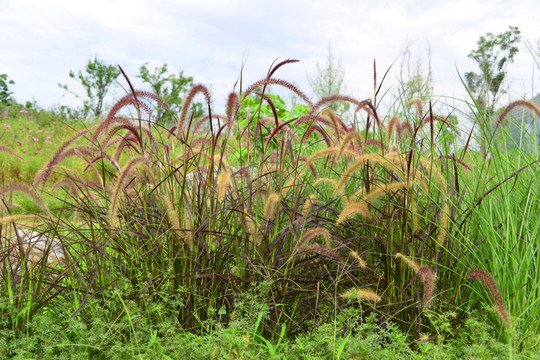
[(35, 139)]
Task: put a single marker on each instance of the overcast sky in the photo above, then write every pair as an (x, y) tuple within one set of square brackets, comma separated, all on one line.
[(41, 41)]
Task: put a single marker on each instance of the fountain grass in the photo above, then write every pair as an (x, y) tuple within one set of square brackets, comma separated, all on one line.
[(317, 217)]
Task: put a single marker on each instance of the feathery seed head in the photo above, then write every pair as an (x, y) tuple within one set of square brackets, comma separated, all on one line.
[(270, 208), (353, 209), (410, 262), (361, 294), (361, 262), (224, 180), (488, 280), (428, 278), (392, 125)]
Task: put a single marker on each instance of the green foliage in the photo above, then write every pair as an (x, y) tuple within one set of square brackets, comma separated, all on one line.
[(103, 330), (506, 232), (5, 93), (493, 55), (97, 79), (34, 135), (256, 109), (170, 88)]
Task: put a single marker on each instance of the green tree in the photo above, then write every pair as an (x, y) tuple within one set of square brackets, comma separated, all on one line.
[(329, 81), (97, 79), (416, 82), (170, 88), (5, 93), (493, 55)]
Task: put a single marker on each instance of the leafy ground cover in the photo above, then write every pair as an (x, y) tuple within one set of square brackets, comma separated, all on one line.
[(267, 232)]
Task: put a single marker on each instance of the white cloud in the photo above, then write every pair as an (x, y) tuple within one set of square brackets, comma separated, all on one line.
[(209, 40)]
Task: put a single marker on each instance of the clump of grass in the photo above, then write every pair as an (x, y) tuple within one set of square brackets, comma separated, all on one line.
[(210, 207)]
